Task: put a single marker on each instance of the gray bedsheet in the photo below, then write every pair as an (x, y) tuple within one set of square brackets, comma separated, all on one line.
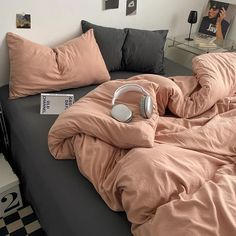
[(65, 202)]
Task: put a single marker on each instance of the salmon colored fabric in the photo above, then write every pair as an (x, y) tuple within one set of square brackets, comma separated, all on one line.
[(138, 133), (35, 68), (184, 183)]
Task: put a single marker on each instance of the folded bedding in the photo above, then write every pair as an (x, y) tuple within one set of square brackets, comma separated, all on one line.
[(174, 173)]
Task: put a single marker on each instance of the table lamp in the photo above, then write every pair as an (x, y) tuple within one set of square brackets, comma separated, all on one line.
[(192, 19)]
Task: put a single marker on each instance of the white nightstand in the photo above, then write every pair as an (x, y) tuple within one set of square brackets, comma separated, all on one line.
[(10, 197)]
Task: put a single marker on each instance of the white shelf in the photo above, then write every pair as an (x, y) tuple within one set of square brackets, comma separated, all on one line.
[(194, 47), (8, 179)]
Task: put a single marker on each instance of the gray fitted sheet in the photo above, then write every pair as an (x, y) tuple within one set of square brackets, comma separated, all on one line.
[(65, 202)]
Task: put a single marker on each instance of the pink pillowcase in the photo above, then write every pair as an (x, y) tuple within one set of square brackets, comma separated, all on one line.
[(35, 68)]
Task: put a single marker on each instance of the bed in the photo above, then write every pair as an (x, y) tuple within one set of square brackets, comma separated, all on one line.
[(65, 201), (160, 174), (172, 172)]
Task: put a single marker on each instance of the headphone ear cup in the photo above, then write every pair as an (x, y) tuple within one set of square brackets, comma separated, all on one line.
[(121, 113), (146, 107)]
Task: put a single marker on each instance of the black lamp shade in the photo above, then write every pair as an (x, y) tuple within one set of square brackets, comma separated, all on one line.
[(192, 18)]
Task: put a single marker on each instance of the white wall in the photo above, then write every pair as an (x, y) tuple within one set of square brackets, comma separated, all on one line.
[(55, 21)]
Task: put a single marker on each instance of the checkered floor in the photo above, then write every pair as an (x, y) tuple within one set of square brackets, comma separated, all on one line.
[(22, 223)]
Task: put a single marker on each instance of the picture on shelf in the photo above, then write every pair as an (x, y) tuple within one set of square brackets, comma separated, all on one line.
[(217, 18)]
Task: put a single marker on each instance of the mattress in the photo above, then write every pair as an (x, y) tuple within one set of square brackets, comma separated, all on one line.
[(65, 202)]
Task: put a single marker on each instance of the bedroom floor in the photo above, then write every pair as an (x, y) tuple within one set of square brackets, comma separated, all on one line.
[(21, 223)]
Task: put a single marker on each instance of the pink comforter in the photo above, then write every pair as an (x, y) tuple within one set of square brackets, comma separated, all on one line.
[(172, 174)]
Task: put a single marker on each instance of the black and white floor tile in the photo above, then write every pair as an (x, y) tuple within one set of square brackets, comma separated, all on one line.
[(21, 223)]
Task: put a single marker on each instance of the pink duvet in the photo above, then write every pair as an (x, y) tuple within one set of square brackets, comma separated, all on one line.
[(173, 174)]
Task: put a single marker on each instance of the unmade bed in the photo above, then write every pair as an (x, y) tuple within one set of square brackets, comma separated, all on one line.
[(172, 172), (64, 200), (165, 166)]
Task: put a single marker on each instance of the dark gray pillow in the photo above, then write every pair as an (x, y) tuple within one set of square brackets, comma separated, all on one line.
[(143, 51), (110, 42)]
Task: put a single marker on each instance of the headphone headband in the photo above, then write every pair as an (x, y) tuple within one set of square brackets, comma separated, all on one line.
[(126, 88)]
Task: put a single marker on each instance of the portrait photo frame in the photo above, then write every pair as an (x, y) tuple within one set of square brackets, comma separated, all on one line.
[(208, 24)]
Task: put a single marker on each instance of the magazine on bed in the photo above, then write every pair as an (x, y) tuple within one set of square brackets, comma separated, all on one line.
[(53, 104)]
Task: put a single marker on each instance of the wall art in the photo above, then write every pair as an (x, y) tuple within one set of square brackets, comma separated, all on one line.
[(111, 4), (23, 21), (131, 7)]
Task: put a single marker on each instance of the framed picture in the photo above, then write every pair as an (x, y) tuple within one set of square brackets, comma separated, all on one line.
[(217, 18), (111, 4), (23, 21), (131, 7)]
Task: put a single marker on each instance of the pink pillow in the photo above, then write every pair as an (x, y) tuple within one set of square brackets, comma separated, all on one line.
[(35, 68)]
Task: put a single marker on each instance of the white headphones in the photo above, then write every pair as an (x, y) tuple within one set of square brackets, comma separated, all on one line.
[(122, 113)]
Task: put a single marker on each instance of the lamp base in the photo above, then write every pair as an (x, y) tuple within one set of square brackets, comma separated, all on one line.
[(189, 39)]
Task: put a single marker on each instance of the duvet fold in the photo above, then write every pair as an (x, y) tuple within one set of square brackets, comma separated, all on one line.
[(173, 174)]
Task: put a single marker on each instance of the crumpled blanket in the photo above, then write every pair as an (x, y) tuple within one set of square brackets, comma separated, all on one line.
[(173, 174)]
